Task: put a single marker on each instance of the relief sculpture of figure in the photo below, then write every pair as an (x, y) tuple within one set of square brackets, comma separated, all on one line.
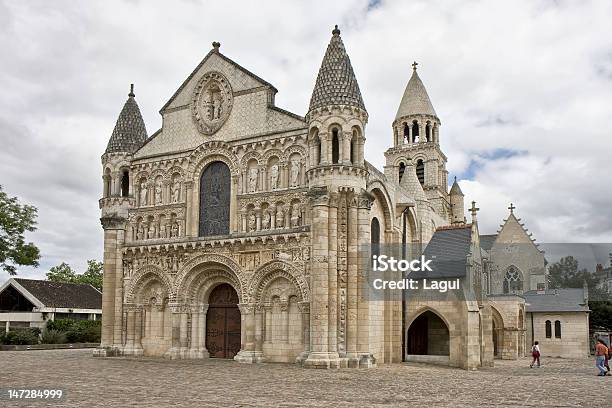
[(176, 191), (140, 233), (253, 173), (158, 193), (274, 177), (265, 221), (296, 215), (252, 222), (143, 193), (162, 231), (295, 173), (280, 217), (151, 231), (174, 232)]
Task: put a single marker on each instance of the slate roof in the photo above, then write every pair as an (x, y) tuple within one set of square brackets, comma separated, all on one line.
[(449, 248), (336, 83), (415, 100), (487, 241), (555, 300), (67, 295), (130, 132)]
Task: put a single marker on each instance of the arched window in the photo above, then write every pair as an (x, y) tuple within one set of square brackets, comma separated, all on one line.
[(513, 281), (406, 133), (415, 131), (318, 150), (428, 132), (557, 329), (107, 183), (125, 183), (335, 147), (375, 236), (215, 185), (548, 329), (354, 147), (402, 168), (420, 171)]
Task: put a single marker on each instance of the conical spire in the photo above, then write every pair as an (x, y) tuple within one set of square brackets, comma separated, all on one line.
[(336, 83), (415, 100), (130, 131), (455, 189), (410, 182)]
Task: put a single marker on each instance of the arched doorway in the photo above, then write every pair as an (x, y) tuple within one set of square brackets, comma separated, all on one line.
[(428, 335), (215, 186), (223, 322), (498, 333)]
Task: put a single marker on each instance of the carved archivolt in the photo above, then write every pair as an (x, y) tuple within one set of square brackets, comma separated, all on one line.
[(273, 270), (273, 153), (142, 278), (248, 157), (206, 281), (208, 153), (295, 149), (200, 264)]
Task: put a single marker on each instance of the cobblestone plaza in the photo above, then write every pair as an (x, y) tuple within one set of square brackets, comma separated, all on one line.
[(156, 382)]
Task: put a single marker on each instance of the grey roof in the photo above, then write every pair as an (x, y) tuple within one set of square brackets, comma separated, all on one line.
[(448, 248), (130, 132), (487, 241), (67, 295), (410, 182), (555, 300), (336, 83), (415, 100)]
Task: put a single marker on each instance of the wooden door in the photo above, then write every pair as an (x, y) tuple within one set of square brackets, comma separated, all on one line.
[(223, 323), (417, 336)]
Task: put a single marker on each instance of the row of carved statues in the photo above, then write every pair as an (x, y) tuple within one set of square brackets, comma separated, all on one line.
[(158, 196), (143, 230), (256, 183), (275, 217)]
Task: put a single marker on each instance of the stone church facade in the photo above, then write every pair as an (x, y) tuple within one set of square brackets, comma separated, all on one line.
[(237, 229)]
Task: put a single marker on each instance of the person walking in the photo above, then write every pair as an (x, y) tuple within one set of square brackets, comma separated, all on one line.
[(535, 353), (601, 355)]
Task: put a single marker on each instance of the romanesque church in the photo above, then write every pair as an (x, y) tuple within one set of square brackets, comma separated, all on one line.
[(239, 230)]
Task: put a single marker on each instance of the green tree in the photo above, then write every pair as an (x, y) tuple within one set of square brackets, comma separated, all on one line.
[(64, 273), (15, 220)]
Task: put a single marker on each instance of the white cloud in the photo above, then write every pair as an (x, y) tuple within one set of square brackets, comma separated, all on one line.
[(531, 77)]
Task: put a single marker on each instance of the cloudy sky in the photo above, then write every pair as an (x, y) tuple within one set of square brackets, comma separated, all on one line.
[(523, 89)]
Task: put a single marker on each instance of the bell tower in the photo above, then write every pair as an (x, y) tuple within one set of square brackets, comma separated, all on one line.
[(340, 208), (416, 137)]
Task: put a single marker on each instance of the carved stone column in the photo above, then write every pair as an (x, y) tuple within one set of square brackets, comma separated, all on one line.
[(366, 359), (305, 315), (268, 323), (189, 210), (320, 355), (325, 154), (184, 335), (346, 147), (259, 328), (138, 314), (129, 344), (333, 273), (194, 345), (284, 325), (353, 260), (174, 351), (233, 222), (247, 353), (203, 352)]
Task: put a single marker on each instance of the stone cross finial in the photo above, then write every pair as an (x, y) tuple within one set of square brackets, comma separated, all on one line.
[(474, 210), (414, 65), (131, 91), (216, 45), (511, 208)]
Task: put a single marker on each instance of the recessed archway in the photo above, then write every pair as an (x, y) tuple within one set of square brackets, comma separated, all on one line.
[(428, 334)]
